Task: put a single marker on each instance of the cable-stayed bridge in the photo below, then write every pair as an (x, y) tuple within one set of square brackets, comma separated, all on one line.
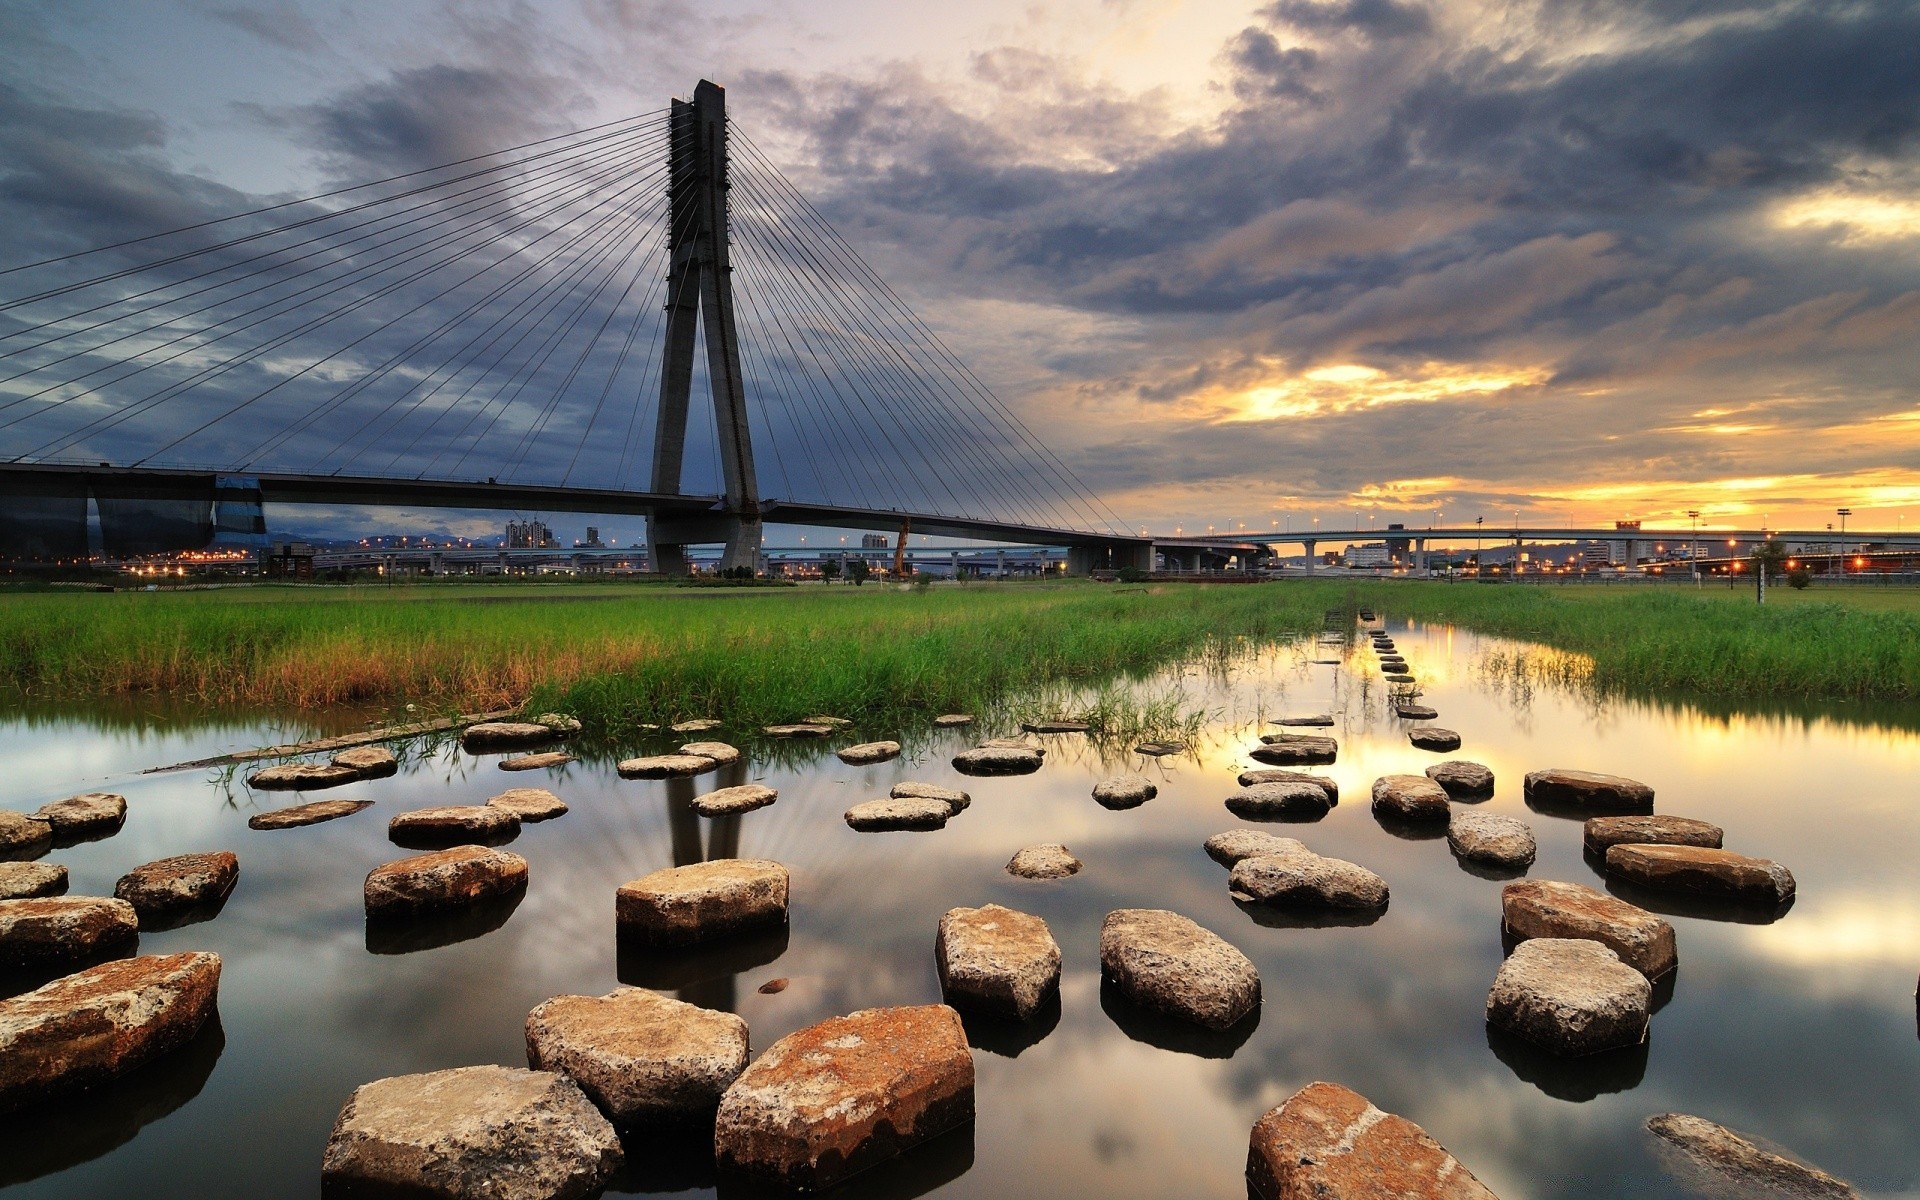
[(524, 330)]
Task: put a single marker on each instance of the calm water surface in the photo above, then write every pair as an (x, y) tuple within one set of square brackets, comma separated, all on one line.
[(1801, 1030)]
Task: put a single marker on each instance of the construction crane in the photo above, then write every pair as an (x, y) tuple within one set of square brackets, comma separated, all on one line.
[(900, 549)]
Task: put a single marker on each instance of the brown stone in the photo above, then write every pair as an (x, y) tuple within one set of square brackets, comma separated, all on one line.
[(472, 1133), (91, 814), (834, 722), (996, 960), (1570, 997), (1741, 1165), (1258, 775), (1432, 737), (1462, 778), (997, 760), (1050, 861), (697, 725), (729, 801), (678, 906), (96, 1024), (666, 766), (505, 735), (954, 797), (1326, 1142), (952, 720), (529, 804), (1492, 839), (1160, 749), (301, 777), (1290, 750), (1292, 879), (1702, 871), (1413, 798), (719, 752), (899, 813), (834, 1098), (1415, 712), (1604, 832), (536, 762), (1125, 791), (1545, 908), (1403, 677), (868, 753), (1588, 791), (645, 1059), (306, 814), (804, 729), (56, 929), (1310, 720), (455, 823), (1165, 962), (27, 880), (1054, 725), (443, 879), (22, 836), (169, 885), (372, 762), (1230, 847), (1283, 800)]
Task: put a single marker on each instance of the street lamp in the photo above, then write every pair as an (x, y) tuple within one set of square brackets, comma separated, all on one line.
[(1693, 514), (1843, 514)]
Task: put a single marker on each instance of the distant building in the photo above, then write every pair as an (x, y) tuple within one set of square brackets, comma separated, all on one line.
[(529, 535), (1399, 549), (287, 560), (1373, 554), (593, 538), (874, 541)]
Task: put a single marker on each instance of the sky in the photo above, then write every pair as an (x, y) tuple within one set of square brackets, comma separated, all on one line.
[(1236, 264)]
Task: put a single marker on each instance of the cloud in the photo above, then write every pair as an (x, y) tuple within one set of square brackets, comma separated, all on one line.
[(281, 24), (1369, 18)]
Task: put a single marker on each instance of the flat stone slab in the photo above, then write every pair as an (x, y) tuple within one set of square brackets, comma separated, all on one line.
[(1054, 725), (495, 1132), (59, 929), (1231, 847), (1412, 798), (800, 730), (996, 960), (952, 720), (27, 880), (1604, 832), (833, 1099), (1125, 791), (731, 801), (719, 752), (1314, 719), (169, 885), (1403, 677), (1415, 712), (96, 1024), (297, 815), (505, 735), (1327, 1142), (666, 766), (90, 814), (824, 719), (536, 762), (1589, 791), (899, 813), (454, 822), (1282, 800), (1741, 1164), (22, 836), (1288, 750), (1167, 963), (561, 724), (444, 879), (1306, 881), (679, 906), (1468, 780), (301, 777), (646, 1060), (1160, 749), (1049, 861), (1014, 743), (1492, 839), (997, 760), (372, 762), (1546, 908), (1432, 737), (1702, 871), (1570, 997), (867, 753), (1259, 775), (529, 804), (954, 797), (697, 725)]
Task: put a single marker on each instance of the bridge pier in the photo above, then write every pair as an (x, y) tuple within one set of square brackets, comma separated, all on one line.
[(1084, 558), (1311, 548)]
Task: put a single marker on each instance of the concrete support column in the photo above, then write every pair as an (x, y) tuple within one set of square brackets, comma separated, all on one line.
[(1311, 548)]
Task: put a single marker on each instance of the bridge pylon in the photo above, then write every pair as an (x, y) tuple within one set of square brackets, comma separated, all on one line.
[(700, 290)]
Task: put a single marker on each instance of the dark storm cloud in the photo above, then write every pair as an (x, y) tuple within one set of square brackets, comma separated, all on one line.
[(427, 115), (282, 25), (1370, 18)]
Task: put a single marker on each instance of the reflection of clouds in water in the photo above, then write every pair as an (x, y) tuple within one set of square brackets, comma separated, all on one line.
[(1849, 931)]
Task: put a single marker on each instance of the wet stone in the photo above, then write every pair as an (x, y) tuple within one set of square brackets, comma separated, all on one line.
[(22, 836), (697, 725), (536, 762), (1412, 798), (371, 762), (666, 766), (1287, 750), (1605, 832), (679, 906), (1432, 737), (1702, 871), (1546, 908), (505, 735), (1492, 839), (454, 822), (169, 885), (952, 720), (86, 1028), (1014, 743), (1125, 791), (997, 760), (954, 797), (561, 724), (1259, 775), (1051, 861), (1315, 719), (1403, 677), (719, 752), (728, 801), (1229, 848), (1160, 749), (800, 730), (1326, 1142), (1415, 712), (1282, 800), (472, 1132), (301, 777), (1740, 1164), (1460, 778), (1589, 790), (28, 880), (1306, 881), (1570, 997), (646, 1060), (529, 804), (1054, 725), (60, 929), (444, 879), (833, 1099), (306, 814), (902, 813), (996, 960), (833, 722), (868, 753), (91, 814), (1165, 962)]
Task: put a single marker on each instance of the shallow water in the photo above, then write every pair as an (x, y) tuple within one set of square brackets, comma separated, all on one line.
[(1802, 1031)]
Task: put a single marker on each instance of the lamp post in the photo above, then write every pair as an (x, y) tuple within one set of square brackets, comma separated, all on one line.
[(1843, 514), (1693, 514), (1479, 572)]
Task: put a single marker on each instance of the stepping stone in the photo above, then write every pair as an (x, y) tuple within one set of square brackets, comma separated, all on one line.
[(1492, 839), (1701, 871), (958, 799), (1160, 749), (536, 762), (997, 961), (867, 753), (1229, 848), (89, 815), (471, 1132), (28, 880), (646, 1060), (833, 1099), (1284, 800), (1589, 791), (802, 730), (372, 762), (1605, 832), (697, 725), (1721, 1156), (95, 1025), (1306, 881), (679, 906), (666, 766), (301, 777), (1415, 712), (1432, 737), (561, 724), (306, 814), (443, 879), (1411, 798), (1054, 725), (997, 760), (504, 735), (454, 823), (1460, 778), (1314, 720), (1125, 791), (1326, 1142), (1545, 908), (160, 889), (1570, 997), (1286, 750), (731, 801), (1326, 662), (1051, 861), (22, 836), (952, 720), (529, 804), (899, 814), (1403, 677), (832, 722), (719, 752), (1162, 961), (1393, 663), (1259, 775), (62, 929), (1014, 743)]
